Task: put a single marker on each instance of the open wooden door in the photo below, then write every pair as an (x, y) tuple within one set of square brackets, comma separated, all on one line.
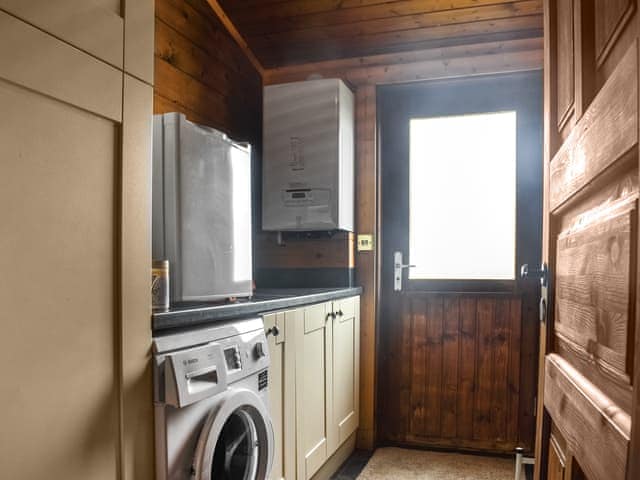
[(589, 371)]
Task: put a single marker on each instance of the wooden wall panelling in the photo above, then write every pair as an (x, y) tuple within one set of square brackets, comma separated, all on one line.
[(366, 262), (235, 34), (305, 34), (299, 32), (463, 34), (263, 18), (336, 251), (427, 64), (202, 72), (350, 68)]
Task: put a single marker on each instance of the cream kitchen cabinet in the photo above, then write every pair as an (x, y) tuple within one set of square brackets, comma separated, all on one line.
[(279, 328), (97, 27), (345, 368), (75, 144), (314, 378)]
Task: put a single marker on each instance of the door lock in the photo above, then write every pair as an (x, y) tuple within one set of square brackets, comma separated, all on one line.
[(542, 273), (398, 266)]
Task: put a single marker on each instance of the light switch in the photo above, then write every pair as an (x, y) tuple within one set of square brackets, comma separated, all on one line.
[(365, 243)]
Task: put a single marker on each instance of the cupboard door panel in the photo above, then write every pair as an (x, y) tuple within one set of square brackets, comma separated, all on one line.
[(313, 389), (39, 62), (95, 26), (282, 394), (346, 356), (58, 356), (276, 392)]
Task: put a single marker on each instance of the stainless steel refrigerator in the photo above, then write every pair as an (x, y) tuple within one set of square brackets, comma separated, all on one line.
[(201, 210)]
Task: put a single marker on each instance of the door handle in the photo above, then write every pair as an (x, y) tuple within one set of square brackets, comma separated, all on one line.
[(541, 273), (398, 266)]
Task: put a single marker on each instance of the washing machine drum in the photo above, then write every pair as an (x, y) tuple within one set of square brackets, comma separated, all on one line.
[(237, 441)]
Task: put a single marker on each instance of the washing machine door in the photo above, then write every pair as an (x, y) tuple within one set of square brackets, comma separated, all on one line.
[(237, 441)]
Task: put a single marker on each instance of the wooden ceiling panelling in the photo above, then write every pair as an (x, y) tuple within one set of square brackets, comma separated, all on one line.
[(285, 32)]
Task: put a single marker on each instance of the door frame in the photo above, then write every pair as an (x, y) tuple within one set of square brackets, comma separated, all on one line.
[(490, 287)]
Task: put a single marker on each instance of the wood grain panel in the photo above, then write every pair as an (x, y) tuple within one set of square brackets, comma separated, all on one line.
[(565, 54), (366, 179), (418, 366), (587, 419), (397, 41), (613, 113), (201, 72), (594, 281), (264, 18), (302, 32), (610, 19), (297, 32), (450, 367), (336, 251), (464, 376)]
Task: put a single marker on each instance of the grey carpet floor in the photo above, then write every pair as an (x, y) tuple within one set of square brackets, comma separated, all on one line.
[(405, 464)]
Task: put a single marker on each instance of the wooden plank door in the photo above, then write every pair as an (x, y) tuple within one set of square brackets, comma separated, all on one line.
[(587, 423), (458, 355)]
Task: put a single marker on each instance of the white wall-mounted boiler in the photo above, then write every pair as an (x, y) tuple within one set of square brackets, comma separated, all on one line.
[(308, 156)]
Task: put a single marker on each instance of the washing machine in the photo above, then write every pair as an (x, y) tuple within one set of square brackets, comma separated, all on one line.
[(211, 397)]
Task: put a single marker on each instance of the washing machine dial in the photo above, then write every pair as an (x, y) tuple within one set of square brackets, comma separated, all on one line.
[(258, 350)]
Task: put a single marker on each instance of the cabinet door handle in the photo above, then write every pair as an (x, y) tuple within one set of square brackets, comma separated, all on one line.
[(340, 313), (331, 315), (275, 331)]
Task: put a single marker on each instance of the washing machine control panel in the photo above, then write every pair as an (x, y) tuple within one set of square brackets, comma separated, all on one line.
[(233, 358)]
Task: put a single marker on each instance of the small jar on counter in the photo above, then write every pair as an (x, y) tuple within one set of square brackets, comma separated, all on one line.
[(160, 284)]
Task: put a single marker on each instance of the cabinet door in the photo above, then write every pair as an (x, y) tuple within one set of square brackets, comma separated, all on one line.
[(282, 391), (313, 389), (74, 178), (346, 363), (96, 27)]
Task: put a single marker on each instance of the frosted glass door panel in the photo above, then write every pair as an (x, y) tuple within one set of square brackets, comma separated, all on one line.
[(463, 197)]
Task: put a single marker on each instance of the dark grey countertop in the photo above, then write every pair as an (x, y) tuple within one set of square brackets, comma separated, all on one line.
[(263, 301)]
